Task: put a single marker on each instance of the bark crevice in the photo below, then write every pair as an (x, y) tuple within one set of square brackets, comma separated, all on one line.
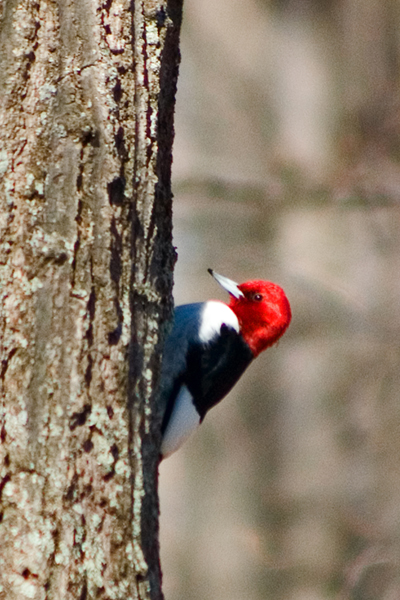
[(85, 295)]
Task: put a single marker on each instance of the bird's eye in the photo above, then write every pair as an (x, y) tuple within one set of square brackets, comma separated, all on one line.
[(257, 297)]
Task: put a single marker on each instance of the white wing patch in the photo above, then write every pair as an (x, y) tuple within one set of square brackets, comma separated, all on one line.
[(184, 420), (214, 315)]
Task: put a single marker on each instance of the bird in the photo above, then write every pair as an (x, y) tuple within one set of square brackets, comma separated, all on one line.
[(210, 346)]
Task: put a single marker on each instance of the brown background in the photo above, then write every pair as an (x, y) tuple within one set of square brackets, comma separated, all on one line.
[(286, 168)]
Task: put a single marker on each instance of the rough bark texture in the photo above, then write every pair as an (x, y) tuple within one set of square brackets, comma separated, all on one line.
[(87, 93)]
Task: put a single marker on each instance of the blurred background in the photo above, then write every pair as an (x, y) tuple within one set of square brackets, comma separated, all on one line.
[(287, 167)]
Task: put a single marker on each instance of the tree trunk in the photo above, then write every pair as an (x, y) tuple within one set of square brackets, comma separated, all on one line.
[(87, 95)]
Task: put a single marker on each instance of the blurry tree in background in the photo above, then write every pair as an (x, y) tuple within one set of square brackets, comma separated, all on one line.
[(286, 167)]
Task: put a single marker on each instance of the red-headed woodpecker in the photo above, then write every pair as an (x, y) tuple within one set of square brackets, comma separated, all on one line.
[(210, 346)]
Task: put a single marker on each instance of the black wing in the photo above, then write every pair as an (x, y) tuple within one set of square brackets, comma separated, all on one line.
[(209, 371), (213, 370)]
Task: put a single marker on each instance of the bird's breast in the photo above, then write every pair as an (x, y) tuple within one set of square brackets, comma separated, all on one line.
[(214, 314)]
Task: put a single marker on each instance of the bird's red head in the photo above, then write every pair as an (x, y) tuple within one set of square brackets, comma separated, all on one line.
[(262, 309), (263, 312)]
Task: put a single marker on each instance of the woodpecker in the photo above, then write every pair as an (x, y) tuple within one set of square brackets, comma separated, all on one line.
[(209, 348)]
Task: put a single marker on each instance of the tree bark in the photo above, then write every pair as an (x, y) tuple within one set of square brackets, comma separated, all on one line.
[(87, 96)]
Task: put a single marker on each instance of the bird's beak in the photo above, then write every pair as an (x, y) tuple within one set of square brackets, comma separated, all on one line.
[(230, 286)]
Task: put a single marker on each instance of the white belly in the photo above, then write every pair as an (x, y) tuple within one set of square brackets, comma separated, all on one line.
[(184, 420)]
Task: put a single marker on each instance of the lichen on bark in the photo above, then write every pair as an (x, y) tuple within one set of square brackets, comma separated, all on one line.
[(87, 93)]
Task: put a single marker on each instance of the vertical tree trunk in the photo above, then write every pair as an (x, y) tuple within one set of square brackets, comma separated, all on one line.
[(87, 94)]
